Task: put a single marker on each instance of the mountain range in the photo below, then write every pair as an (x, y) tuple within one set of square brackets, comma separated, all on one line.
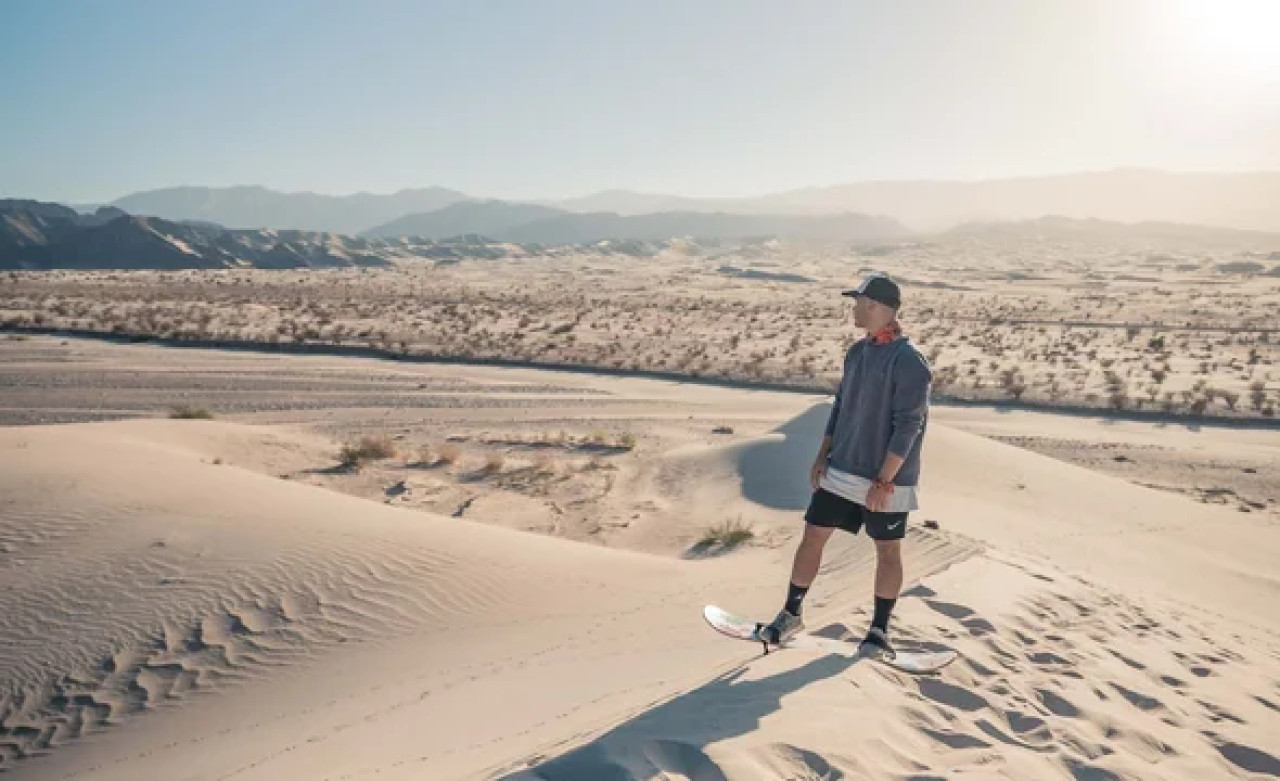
[(35, 235), (38, 236), (536, 224), (1248, 201), (258, 207), (1245, 201)]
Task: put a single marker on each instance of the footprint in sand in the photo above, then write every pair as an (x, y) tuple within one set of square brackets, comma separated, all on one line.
[(1057, 705), (1026, 640), (979, 668), (1131, 662), (1137, 699), (1218, 713), (1249, 759), (957, 740), (993, 731), (976, 625), (1082, 610), (949, 609), (1021, 723), (1047, 658), (952, 695), (1081, 771)]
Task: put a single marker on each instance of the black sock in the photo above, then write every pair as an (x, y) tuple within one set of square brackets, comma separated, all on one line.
[(884, 607), (795, 595)]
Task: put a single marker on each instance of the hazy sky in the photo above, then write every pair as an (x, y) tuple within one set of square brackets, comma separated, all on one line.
[(552, 99)]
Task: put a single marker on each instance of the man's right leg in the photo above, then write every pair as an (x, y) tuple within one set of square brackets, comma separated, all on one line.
[(809, 556), (804, 569)]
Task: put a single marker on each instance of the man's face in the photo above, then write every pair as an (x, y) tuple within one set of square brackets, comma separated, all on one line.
[(871, 315), (862, 311)]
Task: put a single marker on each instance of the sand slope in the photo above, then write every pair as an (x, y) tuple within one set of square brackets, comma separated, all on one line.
[(167, 617)]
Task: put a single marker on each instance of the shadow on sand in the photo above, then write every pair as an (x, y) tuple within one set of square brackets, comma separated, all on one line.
[(775, 474), (669, 739)]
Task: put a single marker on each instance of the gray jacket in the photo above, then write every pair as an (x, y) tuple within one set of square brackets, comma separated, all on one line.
[(881, 406)]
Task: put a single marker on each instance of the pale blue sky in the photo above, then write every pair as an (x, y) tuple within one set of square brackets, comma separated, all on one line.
[(554, 99)]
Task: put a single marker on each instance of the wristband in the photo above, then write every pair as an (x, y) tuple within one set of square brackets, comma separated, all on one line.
[(885, 484)]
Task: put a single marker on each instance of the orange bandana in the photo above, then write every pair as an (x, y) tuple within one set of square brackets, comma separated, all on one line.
[(887, 334)]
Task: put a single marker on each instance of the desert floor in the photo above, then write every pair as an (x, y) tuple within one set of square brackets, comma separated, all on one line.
[(1146, 320), (505, 577)]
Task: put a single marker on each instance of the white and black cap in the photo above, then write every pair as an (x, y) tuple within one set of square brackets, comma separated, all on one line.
[(878, 287)]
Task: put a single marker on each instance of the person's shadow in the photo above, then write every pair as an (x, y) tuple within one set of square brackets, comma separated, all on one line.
[(776, 473), (668, 739)]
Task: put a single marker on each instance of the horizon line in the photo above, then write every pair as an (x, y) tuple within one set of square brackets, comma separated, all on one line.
[(625, 190)]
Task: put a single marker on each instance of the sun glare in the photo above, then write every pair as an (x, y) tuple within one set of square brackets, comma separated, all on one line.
[(1233, 37)]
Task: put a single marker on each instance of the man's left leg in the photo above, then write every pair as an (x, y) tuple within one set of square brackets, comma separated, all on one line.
[(887, 530), (888, 581)]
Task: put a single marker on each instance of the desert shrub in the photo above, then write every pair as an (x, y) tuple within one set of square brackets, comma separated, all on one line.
[(370, 447), (727, 534), (187, 412)]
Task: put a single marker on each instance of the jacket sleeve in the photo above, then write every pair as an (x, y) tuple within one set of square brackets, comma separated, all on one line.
[(835, 409), (912, 378), (835, 406)]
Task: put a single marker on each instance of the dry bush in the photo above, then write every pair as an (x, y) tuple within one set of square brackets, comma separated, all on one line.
[(426, 455), (594, 463), (187, 412), (727, 534), (544, 464), (448, 453), (492, 464), (1257, 394), (370, 447)]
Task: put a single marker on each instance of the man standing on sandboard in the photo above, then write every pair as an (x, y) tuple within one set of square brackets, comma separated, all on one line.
[(867, 469)]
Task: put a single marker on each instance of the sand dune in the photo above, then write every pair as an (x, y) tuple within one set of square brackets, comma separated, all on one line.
[(171, 608), (1097, 525), (1058, 680)]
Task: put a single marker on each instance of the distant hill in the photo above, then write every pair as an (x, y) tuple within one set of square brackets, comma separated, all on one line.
[(627, 202), (486, 218), (1117, 235), (36, 235), (39, 236), (258, 207), (1247, 201), (534, 224)]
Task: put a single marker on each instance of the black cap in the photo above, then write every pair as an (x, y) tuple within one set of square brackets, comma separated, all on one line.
[(878, 287)]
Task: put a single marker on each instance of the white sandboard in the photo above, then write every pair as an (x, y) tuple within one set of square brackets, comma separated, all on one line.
[(914, 662)]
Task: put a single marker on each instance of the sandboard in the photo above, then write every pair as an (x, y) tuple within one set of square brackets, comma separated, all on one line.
[(914, 662)]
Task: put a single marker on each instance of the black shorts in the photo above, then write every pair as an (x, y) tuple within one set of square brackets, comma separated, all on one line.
[(835, 512)]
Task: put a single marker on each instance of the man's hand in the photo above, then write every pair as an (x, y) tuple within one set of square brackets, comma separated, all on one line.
[(878, 498), (818, 471)]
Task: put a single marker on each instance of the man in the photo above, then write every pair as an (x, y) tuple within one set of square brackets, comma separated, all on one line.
[(866, 470)]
